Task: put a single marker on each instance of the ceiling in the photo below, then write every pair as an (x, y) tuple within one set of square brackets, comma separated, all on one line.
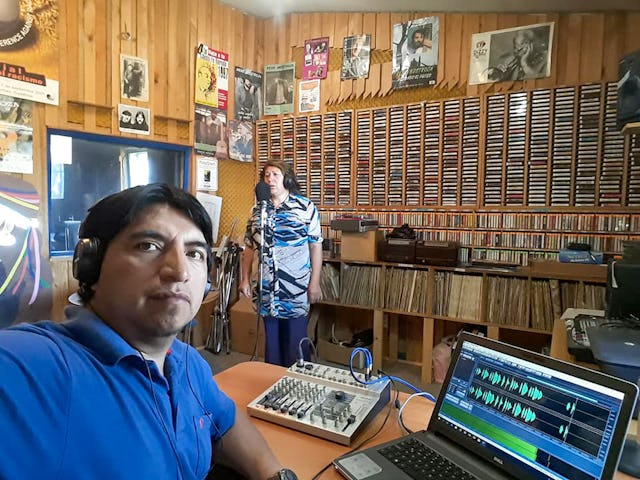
[(272, 8)]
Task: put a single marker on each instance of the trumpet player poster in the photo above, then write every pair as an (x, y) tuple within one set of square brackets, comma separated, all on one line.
[(520, 53)]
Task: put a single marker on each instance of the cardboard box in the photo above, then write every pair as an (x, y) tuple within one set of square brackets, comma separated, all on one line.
[(362, 246), (242, 327), (335, 353)]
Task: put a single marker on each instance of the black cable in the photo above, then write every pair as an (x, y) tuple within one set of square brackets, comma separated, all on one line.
[(370, 437)]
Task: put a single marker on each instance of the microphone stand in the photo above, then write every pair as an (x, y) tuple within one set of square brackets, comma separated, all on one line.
[(261, 254)]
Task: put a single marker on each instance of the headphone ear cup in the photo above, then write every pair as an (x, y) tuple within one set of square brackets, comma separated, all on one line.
[(87, 258)]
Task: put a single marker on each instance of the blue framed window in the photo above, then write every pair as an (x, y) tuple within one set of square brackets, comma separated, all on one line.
[(83, 168)]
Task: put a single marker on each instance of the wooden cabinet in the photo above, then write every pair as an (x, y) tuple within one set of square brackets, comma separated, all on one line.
[(413, 306)]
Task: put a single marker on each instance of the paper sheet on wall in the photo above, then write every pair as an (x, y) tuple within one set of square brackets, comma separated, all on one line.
[(213, 205)]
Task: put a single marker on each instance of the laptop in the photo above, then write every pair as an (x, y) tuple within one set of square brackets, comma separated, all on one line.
[(507, 413)]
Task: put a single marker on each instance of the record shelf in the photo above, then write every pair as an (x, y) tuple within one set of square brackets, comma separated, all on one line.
[(510, 176), (421, 304)]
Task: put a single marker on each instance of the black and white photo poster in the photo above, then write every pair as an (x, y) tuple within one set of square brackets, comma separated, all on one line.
[(356, 52), (521, 53), (134, 78), (248, 95), (134, 119), (415, 53), (279, 81)]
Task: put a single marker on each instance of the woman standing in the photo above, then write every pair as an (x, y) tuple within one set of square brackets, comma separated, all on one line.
[(291, 260)]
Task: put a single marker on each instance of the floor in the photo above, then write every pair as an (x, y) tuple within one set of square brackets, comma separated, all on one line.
[(407, 372)]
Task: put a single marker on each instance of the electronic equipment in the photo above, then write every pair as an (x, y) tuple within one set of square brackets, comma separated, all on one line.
[(323, 401), (437, 253), (578, 343), (401, 250), (623, 285), (354, 224), (505, 413)]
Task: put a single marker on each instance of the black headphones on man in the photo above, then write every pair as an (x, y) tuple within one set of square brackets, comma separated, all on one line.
[(87, 261)]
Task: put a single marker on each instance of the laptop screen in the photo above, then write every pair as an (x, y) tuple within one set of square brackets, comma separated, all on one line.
[(531, 415)]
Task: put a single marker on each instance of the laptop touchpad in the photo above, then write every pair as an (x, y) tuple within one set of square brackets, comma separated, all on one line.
[(360, 466)]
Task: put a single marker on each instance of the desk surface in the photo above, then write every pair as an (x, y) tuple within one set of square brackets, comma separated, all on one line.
[(303, 453)]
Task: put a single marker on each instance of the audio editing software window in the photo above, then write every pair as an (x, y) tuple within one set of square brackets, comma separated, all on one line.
[(547, 422)]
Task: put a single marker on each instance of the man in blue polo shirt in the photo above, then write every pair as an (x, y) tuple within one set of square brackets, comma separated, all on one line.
[(111, 393)]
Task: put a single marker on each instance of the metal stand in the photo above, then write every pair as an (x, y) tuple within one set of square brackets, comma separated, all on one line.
[(226, 270)]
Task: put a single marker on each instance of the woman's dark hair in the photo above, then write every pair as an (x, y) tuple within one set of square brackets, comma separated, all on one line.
[(114, 213), (290, 182)]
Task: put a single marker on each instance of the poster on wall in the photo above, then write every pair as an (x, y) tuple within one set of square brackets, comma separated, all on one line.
[(309, 96), (213, 206), (212, 77), (248, 99), (134, 119), (16, 135), (29, 50), (134, 78), (415, 53), (356, 54), (279, 80), (207, 173), (520, 53), (211, 131), (25, 274), (316, 58), (241, 141)]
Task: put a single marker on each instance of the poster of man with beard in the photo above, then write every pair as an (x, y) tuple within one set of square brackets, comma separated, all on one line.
[(415, 53)]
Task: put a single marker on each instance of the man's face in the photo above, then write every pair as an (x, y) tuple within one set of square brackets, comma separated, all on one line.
[(126, 118), (153, 276), (418, 39)]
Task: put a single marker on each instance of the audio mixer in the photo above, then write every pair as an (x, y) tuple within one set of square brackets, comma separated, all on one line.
[(323, 401)]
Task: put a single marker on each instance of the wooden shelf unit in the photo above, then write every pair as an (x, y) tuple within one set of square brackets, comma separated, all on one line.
[(524, 158), (521, 303)]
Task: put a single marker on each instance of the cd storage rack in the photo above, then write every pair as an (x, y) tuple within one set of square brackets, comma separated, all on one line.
[(541, 153)]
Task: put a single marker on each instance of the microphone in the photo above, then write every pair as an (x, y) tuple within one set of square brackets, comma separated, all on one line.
[(263, 192)]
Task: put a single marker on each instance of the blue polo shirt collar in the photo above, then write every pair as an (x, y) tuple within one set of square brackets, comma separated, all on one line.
[(90, 330)]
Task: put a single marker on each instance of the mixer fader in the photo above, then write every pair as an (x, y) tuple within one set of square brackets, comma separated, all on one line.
[(323, 401)]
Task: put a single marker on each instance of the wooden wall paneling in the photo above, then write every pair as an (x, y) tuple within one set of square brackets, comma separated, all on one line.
[(561, 48), (573, 57), (330, 87), (356, 22), (294, 31), (368, 27), (454, 44), (386, 84), (340, 30), (304, 21), (470, 25), (632, 33), (63, 285), (592, 48), (159, 81), (88, 52), (613, 45), (270, 51), (327, 21)]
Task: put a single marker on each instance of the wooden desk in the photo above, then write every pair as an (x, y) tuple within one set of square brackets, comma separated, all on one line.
[(306, 454)]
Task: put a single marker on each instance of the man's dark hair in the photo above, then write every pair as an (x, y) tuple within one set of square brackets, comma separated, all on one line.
[(115, 212)]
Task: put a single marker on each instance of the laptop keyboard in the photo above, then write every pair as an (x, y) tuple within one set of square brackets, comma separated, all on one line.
[(422, 463)]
